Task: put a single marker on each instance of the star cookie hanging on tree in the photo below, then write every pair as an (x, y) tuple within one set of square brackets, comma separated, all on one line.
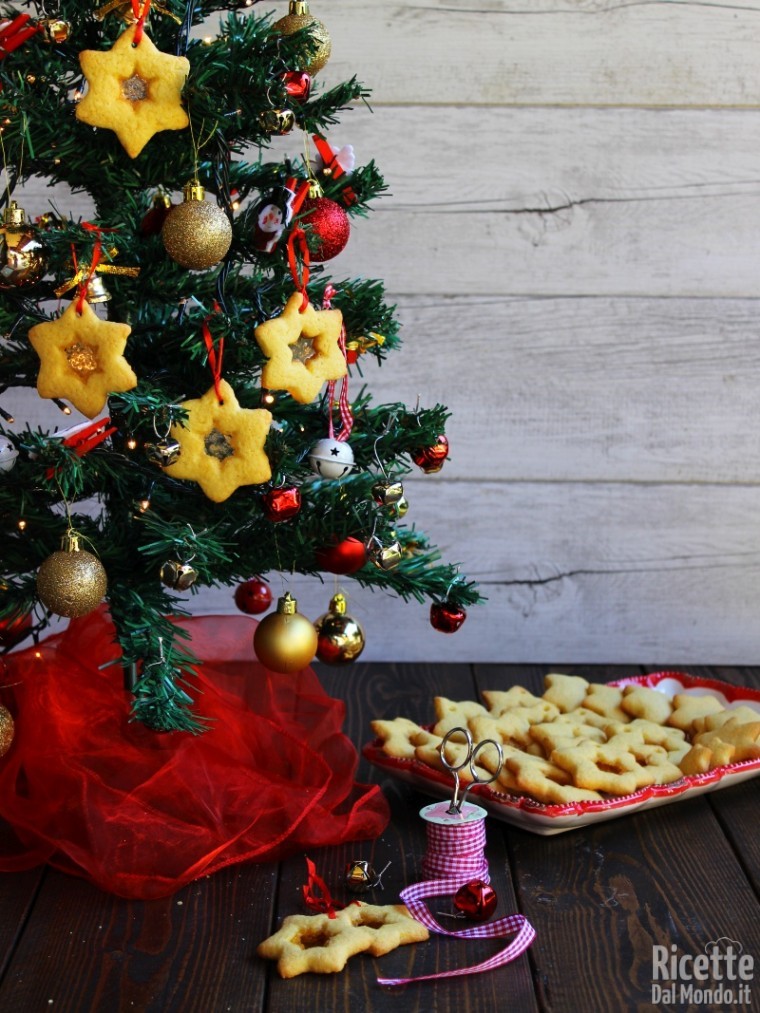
[(222, 444), (81, 358), (134, 90), (302, 348)]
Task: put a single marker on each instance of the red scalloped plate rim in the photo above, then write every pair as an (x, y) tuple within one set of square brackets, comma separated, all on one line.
[(424, 776)]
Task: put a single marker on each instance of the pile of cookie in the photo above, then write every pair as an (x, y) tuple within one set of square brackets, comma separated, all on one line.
[(581, 741)]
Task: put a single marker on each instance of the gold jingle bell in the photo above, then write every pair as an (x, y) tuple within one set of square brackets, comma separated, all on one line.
[(386, 557), (361, 877), (387, 493), (54, 30), (21, 255), (277, 121), (163, 452), (340, 639), (178, 576)]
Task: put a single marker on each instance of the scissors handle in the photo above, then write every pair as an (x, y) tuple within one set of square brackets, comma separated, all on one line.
[(475, 778), (472, 751)]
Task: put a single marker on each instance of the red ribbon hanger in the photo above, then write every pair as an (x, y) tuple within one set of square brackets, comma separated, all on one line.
[(140, 11), (214, 354)]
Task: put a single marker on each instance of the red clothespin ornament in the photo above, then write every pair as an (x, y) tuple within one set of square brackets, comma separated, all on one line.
[(15, 33)]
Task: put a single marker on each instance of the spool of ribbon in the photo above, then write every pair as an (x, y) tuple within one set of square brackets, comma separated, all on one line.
[(455, 855)]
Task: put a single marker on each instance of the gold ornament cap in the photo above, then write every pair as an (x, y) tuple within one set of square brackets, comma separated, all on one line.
[(193, 191), (298, 7), (70, 542), (287, 605), (14, 215), (338, 604)]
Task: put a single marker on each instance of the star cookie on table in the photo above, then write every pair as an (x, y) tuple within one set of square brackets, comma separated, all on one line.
[(222, 445), (133, 90), (81, 358), (302, 348)]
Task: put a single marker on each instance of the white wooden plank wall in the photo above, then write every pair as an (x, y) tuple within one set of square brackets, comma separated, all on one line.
[(572, 240)]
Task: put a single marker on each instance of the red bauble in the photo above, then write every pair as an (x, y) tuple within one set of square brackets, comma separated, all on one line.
[(282, 504), (297, 84), (476, 900), (343, 557), (153, 221), (328, 226), (446, 617), (14, 629), (253, 596), (431, 458)]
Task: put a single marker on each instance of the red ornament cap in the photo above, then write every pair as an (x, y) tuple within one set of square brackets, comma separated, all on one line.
[(343, 557), (328, 226), (446, 617), (476, 900), (297, 84), (431, 458), (253, 596), (282, 504)]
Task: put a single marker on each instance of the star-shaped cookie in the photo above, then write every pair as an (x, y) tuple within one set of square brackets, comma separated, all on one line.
[(81, 359), (133, 90), (222, 445), (302, 349)]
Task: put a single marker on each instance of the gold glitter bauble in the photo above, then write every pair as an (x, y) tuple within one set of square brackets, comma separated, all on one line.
[(71, 582), (298, 17), (6, 730), (197, 233), (285, 641)]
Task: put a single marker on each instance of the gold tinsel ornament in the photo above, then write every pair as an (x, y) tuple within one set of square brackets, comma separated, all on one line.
[(7, 730), (72, 581), (299, 17), (197, 233)]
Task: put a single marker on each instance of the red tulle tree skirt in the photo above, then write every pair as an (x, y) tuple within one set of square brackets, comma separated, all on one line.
[(141, 813)]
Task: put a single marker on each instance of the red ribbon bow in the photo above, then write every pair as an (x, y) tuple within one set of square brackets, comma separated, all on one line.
[(315, 893)]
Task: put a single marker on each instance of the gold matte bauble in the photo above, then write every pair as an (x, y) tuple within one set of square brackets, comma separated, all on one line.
[(22, 262), (197, 233), (340, 639), (299, 17), (285, 641), (72, 581), (7, 729)]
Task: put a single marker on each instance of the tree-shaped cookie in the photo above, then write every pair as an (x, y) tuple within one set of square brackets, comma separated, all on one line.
[(302, 346), (81, 358), (222, 444), (134, 90)]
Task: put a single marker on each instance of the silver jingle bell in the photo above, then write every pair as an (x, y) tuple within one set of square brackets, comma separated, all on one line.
[(178, 576), (163, 452)]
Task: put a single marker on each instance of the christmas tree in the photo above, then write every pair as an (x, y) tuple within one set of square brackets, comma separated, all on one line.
[(192, 325)]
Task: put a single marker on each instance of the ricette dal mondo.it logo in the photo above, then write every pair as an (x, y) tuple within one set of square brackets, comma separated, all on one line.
[(721, 976)]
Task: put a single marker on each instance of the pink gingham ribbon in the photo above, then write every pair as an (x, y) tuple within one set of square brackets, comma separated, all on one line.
[(457, 854), (413, 896), (344, 406)]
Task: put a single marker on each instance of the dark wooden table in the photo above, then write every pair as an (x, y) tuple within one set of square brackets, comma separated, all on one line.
[(600, 898)]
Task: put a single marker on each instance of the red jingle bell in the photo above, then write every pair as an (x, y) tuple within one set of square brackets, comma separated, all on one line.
[(282, 504), (253, 596), (476, 900), (431, 459), (446, 617), (14, 629), (297, 85), (328, 227), (343, 557)]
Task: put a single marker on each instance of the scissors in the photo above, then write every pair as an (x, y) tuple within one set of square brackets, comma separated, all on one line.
[(469, 761)]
